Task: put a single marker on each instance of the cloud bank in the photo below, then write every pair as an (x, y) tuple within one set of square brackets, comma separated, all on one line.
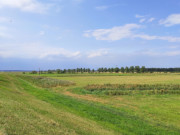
[(25, 5), (173, 19), (126, 31)]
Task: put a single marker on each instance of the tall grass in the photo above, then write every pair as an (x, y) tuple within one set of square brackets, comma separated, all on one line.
[(46, 82), (130, 89), (133, 87)]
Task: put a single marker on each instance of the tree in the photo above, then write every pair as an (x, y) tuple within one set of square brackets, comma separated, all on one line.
[(143, 69), (131, 69), (127, 70), (81, 70), (122, 69), (64, 71), (84, 70), (34, 72), (50, 71), (93, 70), (137, 69), (100, 70), (58, 71), (69, 71), (116, 70), (88, 70), (105, 69), (112, 70)]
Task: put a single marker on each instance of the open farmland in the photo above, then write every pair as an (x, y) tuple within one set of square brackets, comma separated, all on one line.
[(77, 104)]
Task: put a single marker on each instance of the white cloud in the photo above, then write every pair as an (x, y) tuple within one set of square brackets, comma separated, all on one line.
[(139, 16), (173, 53), (126, 31), (142, 20), (25, 5), (98, 53), (101, 8), (155, 53), (151, 19), (166, 38), (35, 50), (115, 33), (171, 20)]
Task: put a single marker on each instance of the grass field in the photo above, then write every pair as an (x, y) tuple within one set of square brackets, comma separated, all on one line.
[(64, 106)]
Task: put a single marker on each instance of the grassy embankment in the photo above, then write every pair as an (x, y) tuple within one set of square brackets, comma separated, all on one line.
[(24, 103)]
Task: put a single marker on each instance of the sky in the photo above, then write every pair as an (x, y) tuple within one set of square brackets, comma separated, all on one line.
[(58, 34)]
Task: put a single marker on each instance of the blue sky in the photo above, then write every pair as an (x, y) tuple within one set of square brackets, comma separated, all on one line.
[(53, 34)]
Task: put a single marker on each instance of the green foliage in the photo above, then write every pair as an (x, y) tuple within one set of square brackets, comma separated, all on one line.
[(122, 70), (143, 69), (127, 70), (50, 71), (58, 71), (33, 72), (131, 69), (137, 69), (116, 70)]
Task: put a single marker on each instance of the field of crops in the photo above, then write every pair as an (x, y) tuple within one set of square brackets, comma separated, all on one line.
[(90, 104)]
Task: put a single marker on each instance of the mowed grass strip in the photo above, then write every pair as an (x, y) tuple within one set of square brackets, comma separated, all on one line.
[(111, 118), (23, 114)]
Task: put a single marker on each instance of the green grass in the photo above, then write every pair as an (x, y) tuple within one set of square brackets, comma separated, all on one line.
[(111, 118), (22, 113), (26, 104), (131, 89), (46, 82), (123, 79)]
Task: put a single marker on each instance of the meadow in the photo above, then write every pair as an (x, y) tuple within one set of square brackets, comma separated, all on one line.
[(101, 103)]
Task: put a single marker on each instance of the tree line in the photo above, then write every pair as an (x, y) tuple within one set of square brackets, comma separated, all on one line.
[(131, 69)]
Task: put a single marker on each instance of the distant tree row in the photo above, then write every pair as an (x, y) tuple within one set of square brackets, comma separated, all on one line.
[(137, 69), (131, 69)]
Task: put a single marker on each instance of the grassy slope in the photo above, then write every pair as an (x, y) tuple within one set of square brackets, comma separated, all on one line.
[(22, 113), (43, 111)]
